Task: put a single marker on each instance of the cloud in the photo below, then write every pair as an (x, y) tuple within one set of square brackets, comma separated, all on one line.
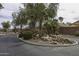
[(5, 17), (6, 12), (70, 11), (8, 9), (11, 6)]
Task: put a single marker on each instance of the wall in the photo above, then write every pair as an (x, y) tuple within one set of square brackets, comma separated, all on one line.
[(68, 30)]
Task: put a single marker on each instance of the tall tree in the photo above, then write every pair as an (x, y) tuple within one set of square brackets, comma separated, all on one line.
[(30, 11), (14, 21), (22, 18), (38, 12), (19, 19), (52, 10), (35, 12)]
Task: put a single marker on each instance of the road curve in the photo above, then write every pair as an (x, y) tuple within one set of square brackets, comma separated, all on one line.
[(12, 46)]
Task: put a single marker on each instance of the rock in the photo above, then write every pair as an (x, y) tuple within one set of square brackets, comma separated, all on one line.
[(46, 38), (53, 36), (37, 35), (53, 42), (53, 39), (67, 41)]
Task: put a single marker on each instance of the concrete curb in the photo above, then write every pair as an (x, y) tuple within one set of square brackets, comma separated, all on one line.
[(47, 45), (2, 34)]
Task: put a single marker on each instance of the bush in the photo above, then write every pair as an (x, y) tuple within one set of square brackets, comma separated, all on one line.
[(20, 35), (76, 33), (26, 35)]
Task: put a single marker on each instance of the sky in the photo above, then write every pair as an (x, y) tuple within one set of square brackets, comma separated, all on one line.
[(6, 12), (69, 11)]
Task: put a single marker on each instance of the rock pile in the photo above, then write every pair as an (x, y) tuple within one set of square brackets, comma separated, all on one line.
[(53, 39)]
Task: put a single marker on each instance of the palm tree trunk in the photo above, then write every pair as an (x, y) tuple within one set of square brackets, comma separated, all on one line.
[(15, 29), (40, 28), (32, 24), (40, 25)]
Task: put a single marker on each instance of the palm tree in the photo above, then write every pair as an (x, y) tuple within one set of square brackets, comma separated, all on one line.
[(31, 14), (35, 12), (40, 14), (52, 10), (51, 26), (55, 26)]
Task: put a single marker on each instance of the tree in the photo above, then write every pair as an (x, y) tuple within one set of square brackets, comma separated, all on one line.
[(52, 23), (52, 10), (14, 21), (6, 25), (48, 26), (55, 26), (31, 14), (20, 19), (1, 6), (35, 13), (51, 26), (38, 12), (61, 19)]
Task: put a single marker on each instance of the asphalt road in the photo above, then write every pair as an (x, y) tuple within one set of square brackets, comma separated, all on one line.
[(12, 46)]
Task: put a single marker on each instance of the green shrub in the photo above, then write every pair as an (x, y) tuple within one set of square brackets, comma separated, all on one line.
[(76, 33), (26, 35), (20, 35)]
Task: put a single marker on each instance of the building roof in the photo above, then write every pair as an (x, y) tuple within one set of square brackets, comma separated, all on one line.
[(63, 25), (77, 22)]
